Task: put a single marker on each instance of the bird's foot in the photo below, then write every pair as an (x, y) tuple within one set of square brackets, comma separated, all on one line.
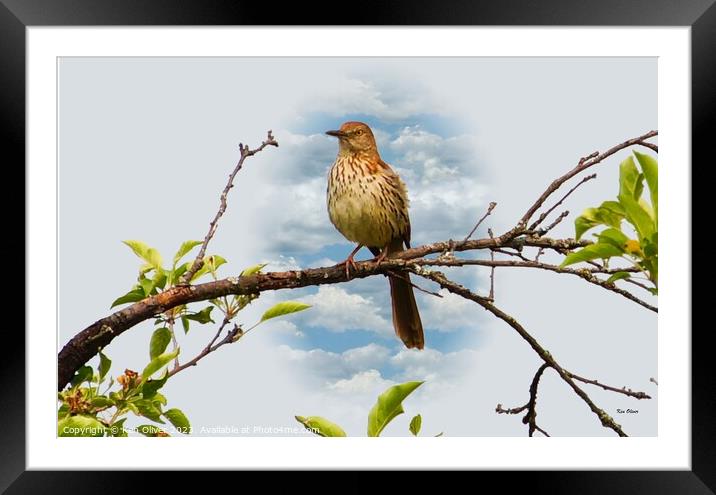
[(349, 262), (379, 259)]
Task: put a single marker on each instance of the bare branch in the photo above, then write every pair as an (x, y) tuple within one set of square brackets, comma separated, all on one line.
[(653, 380), (651, 146), (245, 153), (87, 343), (415, 286), (492, 270), (556, 222), (583, 273), (515, 410), (624, 390), (543, 216), (583, 164), (531, 417), (487, 213), (230, 338), (606, 420)]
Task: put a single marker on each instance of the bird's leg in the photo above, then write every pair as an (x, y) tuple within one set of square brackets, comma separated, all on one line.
[(383, 253), (349, 261)]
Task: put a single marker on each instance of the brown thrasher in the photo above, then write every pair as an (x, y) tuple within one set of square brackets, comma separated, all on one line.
[(368, 204)]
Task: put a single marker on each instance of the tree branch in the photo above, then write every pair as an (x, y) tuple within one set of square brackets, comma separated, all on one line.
[(84, 345), (437, 277), (214, 224), (583, 273), (584, 164)]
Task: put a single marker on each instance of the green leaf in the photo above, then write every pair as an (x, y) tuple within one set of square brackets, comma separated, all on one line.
[(150, 387), (158, 363), (159, 341), (613, 207), (415, 424), (179, 271), (63, 411), (388, 406), (151, 431), (149, 410), (636, 215), (639, 186), (80, 426), (651, 245), (615, 237), (185, 324), (284, 308), (592, 252), (618, 276), (82, 375), (628, 178), (116, 429), (159, 398), (134, 295), (104, 365), (101, 401), (147, 286), (211, 263), (203, 316), (160, 278), (178, 419), (253, 269), (649, 167), (583, 223), (321, 426), (148, 254), (185, 247)]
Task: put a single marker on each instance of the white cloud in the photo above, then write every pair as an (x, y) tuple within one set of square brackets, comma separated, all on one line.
[(369, 356), (449, 313), (325, 366), (383, 100), (364, 382), (338, 310), (441, 371)]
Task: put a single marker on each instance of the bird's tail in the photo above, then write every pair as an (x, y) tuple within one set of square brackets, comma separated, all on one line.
[(406, 318)]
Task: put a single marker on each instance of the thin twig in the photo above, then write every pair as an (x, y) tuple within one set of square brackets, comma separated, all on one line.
[(487, 214), (245, 153), (583, 164), (415, 286), (556, 222), (515, 410), (625, 391), (606, 420), (175, 344), (531, 417), (583, 273), (492, 269), (653, 380), (210, 347), (543, 216), (651, 146)]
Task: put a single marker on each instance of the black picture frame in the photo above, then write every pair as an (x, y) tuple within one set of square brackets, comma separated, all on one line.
[(700, 15)]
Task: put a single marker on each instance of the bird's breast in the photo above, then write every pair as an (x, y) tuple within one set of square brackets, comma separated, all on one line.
[(367, 208)]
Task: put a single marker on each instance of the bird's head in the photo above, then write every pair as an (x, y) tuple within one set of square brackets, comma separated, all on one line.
[(355, 138)]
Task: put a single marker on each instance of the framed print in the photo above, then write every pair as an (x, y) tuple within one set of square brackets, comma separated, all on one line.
[(431, 226)]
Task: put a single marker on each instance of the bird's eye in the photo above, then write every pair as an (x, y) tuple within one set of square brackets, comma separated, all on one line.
[(359, 132)]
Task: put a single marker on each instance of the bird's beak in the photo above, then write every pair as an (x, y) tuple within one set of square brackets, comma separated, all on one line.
[(338, 134)]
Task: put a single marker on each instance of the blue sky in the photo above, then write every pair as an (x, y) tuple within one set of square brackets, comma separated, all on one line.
[(438, 143)]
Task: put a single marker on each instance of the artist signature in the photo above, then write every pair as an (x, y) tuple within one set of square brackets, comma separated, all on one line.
[(627, 411)]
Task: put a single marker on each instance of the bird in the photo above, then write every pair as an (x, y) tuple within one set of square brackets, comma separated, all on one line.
[(368, 204)]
